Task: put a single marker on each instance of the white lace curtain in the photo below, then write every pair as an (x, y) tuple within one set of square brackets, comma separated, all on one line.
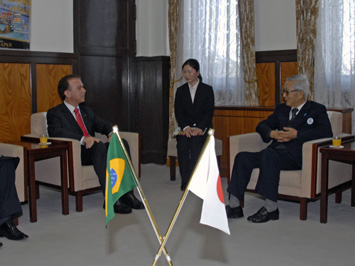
[(209, 32), (334, 75)]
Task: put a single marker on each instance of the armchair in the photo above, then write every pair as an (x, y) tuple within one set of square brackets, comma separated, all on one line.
[(84, 178), (298, 185)]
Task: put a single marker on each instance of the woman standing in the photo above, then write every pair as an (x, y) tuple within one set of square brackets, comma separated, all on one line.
[(194, 106)]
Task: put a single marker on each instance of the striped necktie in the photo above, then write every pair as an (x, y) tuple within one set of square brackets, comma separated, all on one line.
[(293, 115)]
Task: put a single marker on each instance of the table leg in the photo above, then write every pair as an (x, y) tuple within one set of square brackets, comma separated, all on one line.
[(324, 190), (64, 183), (32, 189), (172, 168)]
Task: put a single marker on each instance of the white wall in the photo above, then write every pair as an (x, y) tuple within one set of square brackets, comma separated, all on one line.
[(275, 25), (152, 28), (52, 26)]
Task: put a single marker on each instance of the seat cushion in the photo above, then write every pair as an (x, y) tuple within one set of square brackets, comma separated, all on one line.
[(290, 182)]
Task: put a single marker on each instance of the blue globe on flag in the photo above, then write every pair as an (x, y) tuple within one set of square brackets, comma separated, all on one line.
[(113, 177), (117, 168)]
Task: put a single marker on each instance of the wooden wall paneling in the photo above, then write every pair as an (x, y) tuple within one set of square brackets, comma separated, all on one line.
[(277, 55), (107, 27), (133, 85), (127, 91), (19, 56), (105, 40), (15, 101), (285, 64), (288, 69), (102, 79), (265, 73), (347, 118), (47, 78), (19, 75), (34, 88), (153, 107)]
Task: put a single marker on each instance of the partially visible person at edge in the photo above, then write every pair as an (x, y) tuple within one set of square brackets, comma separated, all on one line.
[(194, 107), (10, 206), (65, 119), (292, 124)]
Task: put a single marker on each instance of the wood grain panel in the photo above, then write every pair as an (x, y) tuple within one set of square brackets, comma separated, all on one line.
[(265, 73), (106, 29), (103, 79), (152, 101), (288, 69), (48, 76), (15, 101)]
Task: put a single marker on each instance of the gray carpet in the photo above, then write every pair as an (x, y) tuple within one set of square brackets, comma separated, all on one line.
[(81, 238)]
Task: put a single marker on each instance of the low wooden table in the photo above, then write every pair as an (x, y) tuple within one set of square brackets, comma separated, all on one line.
[(35, 152), (346, 154)]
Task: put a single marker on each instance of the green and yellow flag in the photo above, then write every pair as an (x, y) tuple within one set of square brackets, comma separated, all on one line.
[(119, 176)]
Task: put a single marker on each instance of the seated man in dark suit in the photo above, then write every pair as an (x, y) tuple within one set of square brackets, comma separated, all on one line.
[(292, 124), (72, 120), (10, 207)]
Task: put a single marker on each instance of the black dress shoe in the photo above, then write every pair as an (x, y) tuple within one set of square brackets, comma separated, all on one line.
[(120, 208), (131, 201), (236, 212), (10, 231), (0, 244), (263, 216), (183, 187)]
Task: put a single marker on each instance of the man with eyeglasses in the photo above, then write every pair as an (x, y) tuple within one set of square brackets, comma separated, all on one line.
[(292, 124)]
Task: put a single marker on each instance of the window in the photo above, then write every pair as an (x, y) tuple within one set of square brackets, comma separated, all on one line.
[(334, 64), (348, 37), (211, 35)]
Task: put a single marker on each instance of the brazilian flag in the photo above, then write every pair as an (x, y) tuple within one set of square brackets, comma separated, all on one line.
[(119, 176)]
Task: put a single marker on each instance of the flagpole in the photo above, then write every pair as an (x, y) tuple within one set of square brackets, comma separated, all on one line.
[(145, 202), (183, 198)]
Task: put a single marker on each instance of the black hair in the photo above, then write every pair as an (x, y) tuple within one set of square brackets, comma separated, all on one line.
[(63, 84), (194, 64)]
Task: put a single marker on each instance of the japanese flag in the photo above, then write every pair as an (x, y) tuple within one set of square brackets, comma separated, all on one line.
[(206, 184)]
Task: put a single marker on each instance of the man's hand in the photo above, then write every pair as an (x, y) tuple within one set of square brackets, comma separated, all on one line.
[(89, 141), (288, 134), (190, 132), (196, 131)]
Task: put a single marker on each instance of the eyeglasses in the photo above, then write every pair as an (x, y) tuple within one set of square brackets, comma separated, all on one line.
[(287, 92)]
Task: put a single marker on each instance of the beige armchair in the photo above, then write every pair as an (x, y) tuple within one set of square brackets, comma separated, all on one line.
[(84, 177), (21, 170), (298, 185)]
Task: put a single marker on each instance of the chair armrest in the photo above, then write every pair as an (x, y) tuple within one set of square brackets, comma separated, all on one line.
[(251, 142)]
